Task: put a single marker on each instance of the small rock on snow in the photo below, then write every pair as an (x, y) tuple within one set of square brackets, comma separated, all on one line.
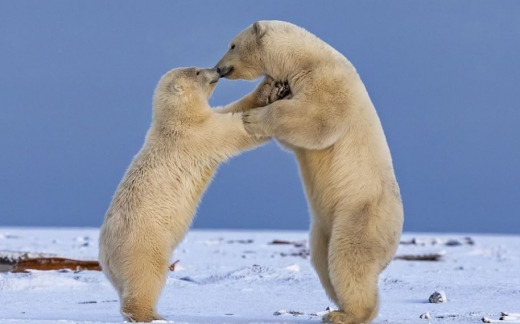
[(438, 297), (453, 243)]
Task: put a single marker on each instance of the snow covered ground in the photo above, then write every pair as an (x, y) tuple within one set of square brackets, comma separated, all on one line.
[(238, 277)]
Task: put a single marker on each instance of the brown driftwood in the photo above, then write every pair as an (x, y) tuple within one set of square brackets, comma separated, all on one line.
[(55, 264)]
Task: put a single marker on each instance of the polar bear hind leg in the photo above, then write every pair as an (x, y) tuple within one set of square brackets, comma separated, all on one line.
[(319, 244), (142, 288), (354, 273)]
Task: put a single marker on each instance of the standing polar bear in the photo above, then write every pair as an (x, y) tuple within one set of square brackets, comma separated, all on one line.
[(155, 202), (344, 160)]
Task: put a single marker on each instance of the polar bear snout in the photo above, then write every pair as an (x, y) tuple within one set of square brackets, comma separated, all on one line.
[(224, 71), (212, 75)]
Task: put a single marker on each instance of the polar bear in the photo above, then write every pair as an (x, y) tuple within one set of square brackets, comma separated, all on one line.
[(155, 202), (331, 125)]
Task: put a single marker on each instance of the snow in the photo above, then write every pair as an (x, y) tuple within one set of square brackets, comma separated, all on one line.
[(238, 277)]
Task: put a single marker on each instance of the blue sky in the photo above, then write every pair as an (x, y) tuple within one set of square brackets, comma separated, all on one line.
[(77, 79)]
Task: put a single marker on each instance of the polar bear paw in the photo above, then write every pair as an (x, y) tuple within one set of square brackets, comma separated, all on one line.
[(339, 317), (142, 317), (265, 92), (281, 90), (255, 121), (270, 91)]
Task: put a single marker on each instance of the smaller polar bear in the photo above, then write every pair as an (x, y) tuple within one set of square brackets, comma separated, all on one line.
[(157, 198), (331, 125)]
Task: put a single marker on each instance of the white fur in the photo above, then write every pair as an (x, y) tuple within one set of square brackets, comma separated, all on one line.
[(346, 167), (157, 198)]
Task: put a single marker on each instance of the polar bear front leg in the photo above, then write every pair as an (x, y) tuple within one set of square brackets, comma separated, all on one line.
[(296, 122), (260, 97)]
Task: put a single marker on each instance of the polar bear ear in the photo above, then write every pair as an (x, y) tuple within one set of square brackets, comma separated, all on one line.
[(259, 30), (176, 88)]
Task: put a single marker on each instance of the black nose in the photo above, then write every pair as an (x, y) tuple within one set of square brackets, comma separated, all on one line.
[(225, 71)]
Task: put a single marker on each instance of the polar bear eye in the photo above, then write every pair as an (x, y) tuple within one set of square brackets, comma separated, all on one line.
[(232, 46)]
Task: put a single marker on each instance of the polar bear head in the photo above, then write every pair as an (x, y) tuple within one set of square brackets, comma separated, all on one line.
[(268, 47), (182, 90), (180, 81), (243, 59)]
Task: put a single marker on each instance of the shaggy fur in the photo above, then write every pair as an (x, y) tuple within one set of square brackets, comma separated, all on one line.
[(331, 125), (157, 198)]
